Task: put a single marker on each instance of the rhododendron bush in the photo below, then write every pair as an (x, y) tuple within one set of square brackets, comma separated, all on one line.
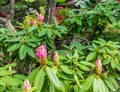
[(48, 46)]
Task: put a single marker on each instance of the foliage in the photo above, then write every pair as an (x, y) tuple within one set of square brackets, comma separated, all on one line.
[(9, 81), (81, 36)]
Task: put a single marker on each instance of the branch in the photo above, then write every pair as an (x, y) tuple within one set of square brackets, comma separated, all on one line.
[(52, 8), (47, 11), (8, 23)]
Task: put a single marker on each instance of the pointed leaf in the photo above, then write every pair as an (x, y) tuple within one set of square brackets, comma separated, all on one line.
[(39, 80), (53, 78)]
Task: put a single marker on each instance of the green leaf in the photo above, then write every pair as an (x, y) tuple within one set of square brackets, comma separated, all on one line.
[(42, 32), (32, 28), (39, 80), (53, 78), (78, 21), (87, 83), (106, 61), (20, 76), (22, 52), (51, 88), (95, 85), (110, 85), (13, 47), (30, 52), (49, 33), (83, 67), (112, 79), (101, 85), (87, 63), (66, 69), (77, 81), (32, 75), (91, 56)]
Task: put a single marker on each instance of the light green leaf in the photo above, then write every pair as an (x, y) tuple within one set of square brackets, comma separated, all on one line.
[(87, 84), (53, 78), (13, 47), (77, 81), (83, 67), (87, 63), (110, 85), (66, 69), (51, 88), (32, 28), (95, 85), (32, 75), (39, 80), (91, 56)]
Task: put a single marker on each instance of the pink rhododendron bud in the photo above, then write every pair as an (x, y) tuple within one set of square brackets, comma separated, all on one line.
[(60, 7), (119, 1), (98, 66), (56, 58), (31, 22), (41, 54), (56, 11), (27, 86), (62, 17), (40, 17)]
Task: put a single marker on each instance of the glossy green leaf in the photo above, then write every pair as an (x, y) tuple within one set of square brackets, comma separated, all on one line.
[(87, 84), (22, 52), (95, 85), (13, 47), (32, 75), (49, 33), (30, 52), (110, 85), (91, 56), (32, 28), (77, 81), (42, 32), (87, 63), (66, 69), (112, 79), (53, 78), (51, 88), (83, 67), (39, 80)]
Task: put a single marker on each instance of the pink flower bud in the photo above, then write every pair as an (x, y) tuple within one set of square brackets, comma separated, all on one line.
[(40, 17), (41, 54), (31, 22), (119, 1), (27, 86), (60, 7), (98, 66), (62, 17), (56, 58)]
